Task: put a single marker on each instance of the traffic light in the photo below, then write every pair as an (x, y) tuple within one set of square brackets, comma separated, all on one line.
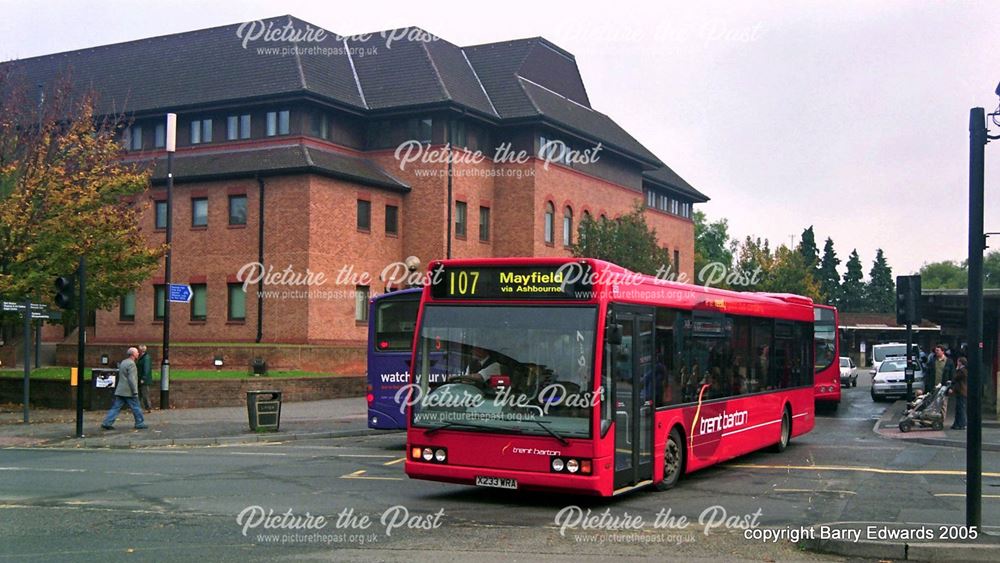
[(65, 292), (908, 300)]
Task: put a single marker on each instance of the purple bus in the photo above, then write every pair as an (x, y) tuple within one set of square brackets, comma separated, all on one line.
[(392, 318)]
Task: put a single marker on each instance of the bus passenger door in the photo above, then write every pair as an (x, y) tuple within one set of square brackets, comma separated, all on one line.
[(633, 370)]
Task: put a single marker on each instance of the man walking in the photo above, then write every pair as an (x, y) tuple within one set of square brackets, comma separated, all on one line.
[(145, 367), (126, 393)]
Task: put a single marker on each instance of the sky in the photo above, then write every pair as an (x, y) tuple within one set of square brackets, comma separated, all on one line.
[(848, 116)]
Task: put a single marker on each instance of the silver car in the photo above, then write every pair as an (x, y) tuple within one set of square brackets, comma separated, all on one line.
[(890, 380), (848, 372)]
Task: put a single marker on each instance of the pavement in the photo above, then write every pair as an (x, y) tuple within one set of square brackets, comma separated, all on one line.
[(183, 427), (888, 427)]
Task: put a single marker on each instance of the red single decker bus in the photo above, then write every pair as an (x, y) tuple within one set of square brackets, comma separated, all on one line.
[(579, 376), (827, 379)]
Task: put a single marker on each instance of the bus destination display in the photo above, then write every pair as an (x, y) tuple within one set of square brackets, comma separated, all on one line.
[(569, 281)]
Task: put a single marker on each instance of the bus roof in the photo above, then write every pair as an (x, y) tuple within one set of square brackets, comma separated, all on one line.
[(617, 284)]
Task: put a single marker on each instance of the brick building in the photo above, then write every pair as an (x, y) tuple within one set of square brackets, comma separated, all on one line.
[(295, 150)]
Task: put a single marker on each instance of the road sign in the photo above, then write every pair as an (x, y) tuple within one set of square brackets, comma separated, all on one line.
[(51, 315), (16, 306), (180, 293)]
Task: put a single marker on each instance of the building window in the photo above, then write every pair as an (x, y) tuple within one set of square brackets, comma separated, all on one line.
[(160, 136), (199, 212), (586, 216), (364, 215), (550, 218), (361, 295), (201, 131), (420, 129), (159, 301), (650, 198), (126, 307), (457, 136), (238, 209), (199, 302), (568, 226), (319, 126), (135, 138), (677, 260), (238, 127), (277, 123), (484, 224), (237, 308), (461, 218), (391, 220), (161, 214)]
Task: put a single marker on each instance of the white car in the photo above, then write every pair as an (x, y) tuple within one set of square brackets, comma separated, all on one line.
[(890, 380), (848, 372)]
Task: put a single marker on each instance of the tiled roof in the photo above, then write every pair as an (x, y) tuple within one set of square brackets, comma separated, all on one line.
[(526, 80), (286, 159), (667, 177)]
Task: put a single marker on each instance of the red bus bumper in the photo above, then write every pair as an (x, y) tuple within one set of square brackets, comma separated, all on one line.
[(595, 484)]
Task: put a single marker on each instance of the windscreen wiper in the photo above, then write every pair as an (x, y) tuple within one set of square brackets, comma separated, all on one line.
[(452, 423), (552, 432)]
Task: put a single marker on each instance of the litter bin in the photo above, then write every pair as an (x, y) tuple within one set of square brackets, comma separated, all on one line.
[(102, 388), (264, 409)]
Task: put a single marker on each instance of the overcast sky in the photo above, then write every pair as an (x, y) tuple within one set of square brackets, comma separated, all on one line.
[(849, 116)]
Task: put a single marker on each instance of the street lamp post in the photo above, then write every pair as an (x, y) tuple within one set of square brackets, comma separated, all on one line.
[(171, 145)]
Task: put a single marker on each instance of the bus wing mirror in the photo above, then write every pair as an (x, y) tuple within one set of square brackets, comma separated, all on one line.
[(613, 334)]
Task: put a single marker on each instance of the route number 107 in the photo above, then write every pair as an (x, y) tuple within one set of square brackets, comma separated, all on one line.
[(462, 282)]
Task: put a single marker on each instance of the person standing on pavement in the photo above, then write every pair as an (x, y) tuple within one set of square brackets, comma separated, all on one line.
[(145, 366), (126, 393), (940, 369), (959, 389)]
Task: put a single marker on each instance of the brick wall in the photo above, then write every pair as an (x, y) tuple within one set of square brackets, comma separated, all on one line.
[(341, 360), (194, 393)]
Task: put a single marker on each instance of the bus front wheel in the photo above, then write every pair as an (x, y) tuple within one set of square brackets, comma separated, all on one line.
[(786, 432), (673, 461)]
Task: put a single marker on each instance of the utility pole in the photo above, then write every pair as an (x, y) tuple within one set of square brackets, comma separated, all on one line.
[(977, 243), (81, 341), (171, 145), (27, 355)]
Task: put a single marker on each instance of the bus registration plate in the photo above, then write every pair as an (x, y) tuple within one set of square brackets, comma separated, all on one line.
[(497, 482)]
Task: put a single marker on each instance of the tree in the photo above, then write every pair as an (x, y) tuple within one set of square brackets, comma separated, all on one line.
[(712, 245), (852, 292), (625, 240), (791, 274), (880, 293), (754, 261), (944, 275), (827, 274), (807, 247), (65, 192)]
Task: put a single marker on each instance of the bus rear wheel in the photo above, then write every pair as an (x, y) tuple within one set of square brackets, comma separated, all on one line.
[(786, 432), (673, 461)]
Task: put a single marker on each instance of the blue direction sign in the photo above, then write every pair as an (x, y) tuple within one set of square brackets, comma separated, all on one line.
[(180, 293)]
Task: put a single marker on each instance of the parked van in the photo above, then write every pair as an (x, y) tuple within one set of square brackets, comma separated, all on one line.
[(891, 350)]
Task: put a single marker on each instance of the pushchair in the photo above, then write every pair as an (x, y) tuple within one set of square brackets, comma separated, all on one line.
[(927, 410)]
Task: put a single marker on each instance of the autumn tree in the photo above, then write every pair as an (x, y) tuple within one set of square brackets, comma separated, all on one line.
[(625, 240), (65, 192)]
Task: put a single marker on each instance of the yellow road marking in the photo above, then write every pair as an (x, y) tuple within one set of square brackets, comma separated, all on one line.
[(360, 474), (860, 469), (814, 491), (395, 461)]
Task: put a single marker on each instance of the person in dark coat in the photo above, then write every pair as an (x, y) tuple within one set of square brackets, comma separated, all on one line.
[(959, 388), (145, 367), (940, 368)]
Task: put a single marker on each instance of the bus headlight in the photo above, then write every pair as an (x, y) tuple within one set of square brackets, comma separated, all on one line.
[(440, 456), (428, 454), (557, 464), (572, 466)]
